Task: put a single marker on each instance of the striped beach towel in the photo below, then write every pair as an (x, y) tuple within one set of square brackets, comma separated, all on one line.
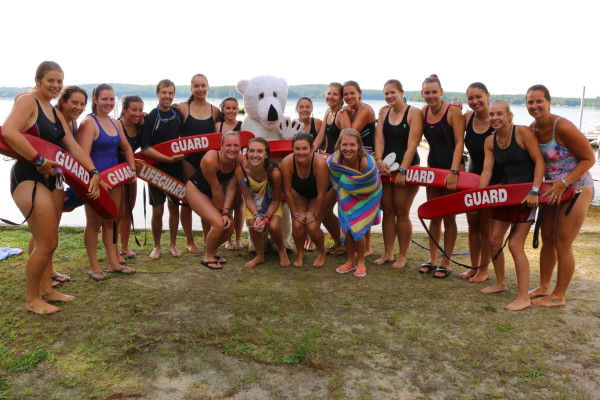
[(358, 195)]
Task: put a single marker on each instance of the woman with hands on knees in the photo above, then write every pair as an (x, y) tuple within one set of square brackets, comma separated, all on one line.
[(261, 184), (33, 114), (210, 192), (444, 129), (399, 131), (515, 150), (229, 110), (568, 157), (101, 136), (307, 192)]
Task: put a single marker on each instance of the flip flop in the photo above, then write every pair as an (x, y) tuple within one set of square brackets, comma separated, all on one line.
[(394, 167), (208, 264), (390, 158), (221, 259), (430, 267), (91, 275), (122, 271), (62, 278), (128, 254), (443, 270)]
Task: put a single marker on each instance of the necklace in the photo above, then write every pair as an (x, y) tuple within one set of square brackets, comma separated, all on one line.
[(506, 140), (439, 109)]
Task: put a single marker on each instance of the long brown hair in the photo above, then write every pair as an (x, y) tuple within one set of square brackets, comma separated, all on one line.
[(269, 165)]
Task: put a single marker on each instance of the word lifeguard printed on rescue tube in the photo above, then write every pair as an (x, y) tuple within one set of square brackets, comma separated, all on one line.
[(65, 160), (161, 180), (419, 176), (491, 196), (187, 144), (119, 176)]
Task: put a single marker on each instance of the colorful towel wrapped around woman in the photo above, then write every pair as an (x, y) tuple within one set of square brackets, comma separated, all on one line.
[(359, 195)]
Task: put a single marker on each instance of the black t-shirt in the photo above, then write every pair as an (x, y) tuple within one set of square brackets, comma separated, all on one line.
[(160, 126)]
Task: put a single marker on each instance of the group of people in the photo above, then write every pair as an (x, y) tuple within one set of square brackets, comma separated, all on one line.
[(226, 188)]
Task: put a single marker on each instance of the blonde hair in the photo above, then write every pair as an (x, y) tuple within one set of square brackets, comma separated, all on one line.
[(352, 133), (507, 106)]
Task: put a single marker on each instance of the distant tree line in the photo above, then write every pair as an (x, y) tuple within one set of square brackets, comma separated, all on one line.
[(314, 91)]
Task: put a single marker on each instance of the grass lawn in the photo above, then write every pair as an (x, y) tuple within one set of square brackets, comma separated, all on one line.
[(176, 330)]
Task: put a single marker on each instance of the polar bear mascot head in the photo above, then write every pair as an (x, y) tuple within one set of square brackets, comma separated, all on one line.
[(264, 104)]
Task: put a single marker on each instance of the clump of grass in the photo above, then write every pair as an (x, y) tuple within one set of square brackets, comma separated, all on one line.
[(28, 362), (301, 349)]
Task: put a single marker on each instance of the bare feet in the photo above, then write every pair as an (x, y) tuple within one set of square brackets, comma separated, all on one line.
[(229, 245), (175, 251), (239, 245), (39, 306), (368, 252), (551, 301), (468, 274), (56, 296), (284, 261), (155, 254), (480, 277), (192, 248), (538, 292), (497, 288), (400, 263), (319, 259), (384, 259), (299, 261), (518, 304), (254, 262)]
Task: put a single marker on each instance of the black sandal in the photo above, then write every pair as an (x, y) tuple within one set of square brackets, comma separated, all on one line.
[(429, 267), (443, 270), (208, 264)]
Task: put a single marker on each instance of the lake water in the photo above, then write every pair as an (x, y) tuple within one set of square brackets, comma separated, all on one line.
[(591, 117)]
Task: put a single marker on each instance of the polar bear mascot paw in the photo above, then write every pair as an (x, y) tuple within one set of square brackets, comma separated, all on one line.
[(288, 128)]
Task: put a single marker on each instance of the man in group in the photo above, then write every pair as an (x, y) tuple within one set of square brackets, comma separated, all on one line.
[(162, 124)]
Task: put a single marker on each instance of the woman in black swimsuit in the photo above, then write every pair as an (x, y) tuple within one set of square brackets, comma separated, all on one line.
[(34, 114), (199, 117), (478, 128), (399, 130), (210, 193), (334, 120), (131, 120), (304, 108), (307, 192), (444, 129), (229, 111)]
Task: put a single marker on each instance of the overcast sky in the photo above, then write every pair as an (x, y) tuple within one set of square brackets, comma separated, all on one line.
[(509, 45)]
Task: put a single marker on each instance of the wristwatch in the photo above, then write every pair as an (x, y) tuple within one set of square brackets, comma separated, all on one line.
[(39, 162), (535, 191), (454, 171), (402, 171)]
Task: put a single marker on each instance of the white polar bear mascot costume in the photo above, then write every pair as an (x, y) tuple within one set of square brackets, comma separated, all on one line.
[(264, 103)]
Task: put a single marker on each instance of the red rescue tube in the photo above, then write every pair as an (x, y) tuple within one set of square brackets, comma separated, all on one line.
[(425, 176), (75, 174), (191, 144), (117, 175), (159, 179), (488, 197)]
